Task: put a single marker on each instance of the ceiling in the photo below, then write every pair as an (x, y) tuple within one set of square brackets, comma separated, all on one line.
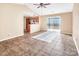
[(51, 9)]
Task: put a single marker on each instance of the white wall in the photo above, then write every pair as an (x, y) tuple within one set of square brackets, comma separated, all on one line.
[(76, 25), (11, 20)]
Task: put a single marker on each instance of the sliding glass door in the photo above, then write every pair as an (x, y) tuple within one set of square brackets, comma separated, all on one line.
[(54, 23)]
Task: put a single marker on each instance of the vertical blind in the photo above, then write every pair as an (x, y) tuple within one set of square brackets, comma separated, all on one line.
[(54, 21)]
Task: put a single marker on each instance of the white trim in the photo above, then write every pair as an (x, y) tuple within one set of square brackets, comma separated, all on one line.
[(69, 33), (66, 33), (76, 45), (11, 37)]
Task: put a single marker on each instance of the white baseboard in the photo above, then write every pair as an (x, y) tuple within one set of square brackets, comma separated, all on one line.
[(76, 45), (66, 33), (11, 37)]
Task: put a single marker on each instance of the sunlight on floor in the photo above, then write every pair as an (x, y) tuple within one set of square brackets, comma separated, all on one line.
[(57, 30)]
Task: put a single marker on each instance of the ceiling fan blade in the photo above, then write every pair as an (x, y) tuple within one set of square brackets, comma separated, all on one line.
[(47, 4), (35, 4), (38, 6)]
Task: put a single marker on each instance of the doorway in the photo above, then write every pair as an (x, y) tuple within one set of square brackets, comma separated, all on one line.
[(54, 23), (26, 24)]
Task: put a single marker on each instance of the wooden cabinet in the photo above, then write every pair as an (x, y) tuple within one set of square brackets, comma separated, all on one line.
[(34, 20), (28, 24), (31, 21)]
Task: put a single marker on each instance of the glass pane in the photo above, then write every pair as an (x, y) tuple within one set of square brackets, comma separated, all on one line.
[(54, 22)]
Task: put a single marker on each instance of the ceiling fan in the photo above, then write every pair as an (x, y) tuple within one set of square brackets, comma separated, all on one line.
[(42, 5)]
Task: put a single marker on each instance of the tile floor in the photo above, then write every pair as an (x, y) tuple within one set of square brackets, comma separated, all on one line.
[(26, 46)]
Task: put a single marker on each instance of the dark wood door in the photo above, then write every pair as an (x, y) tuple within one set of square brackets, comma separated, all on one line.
[(28, 24)]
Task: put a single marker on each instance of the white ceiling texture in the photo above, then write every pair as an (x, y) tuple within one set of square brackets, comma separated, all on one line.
[(53, 8)]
